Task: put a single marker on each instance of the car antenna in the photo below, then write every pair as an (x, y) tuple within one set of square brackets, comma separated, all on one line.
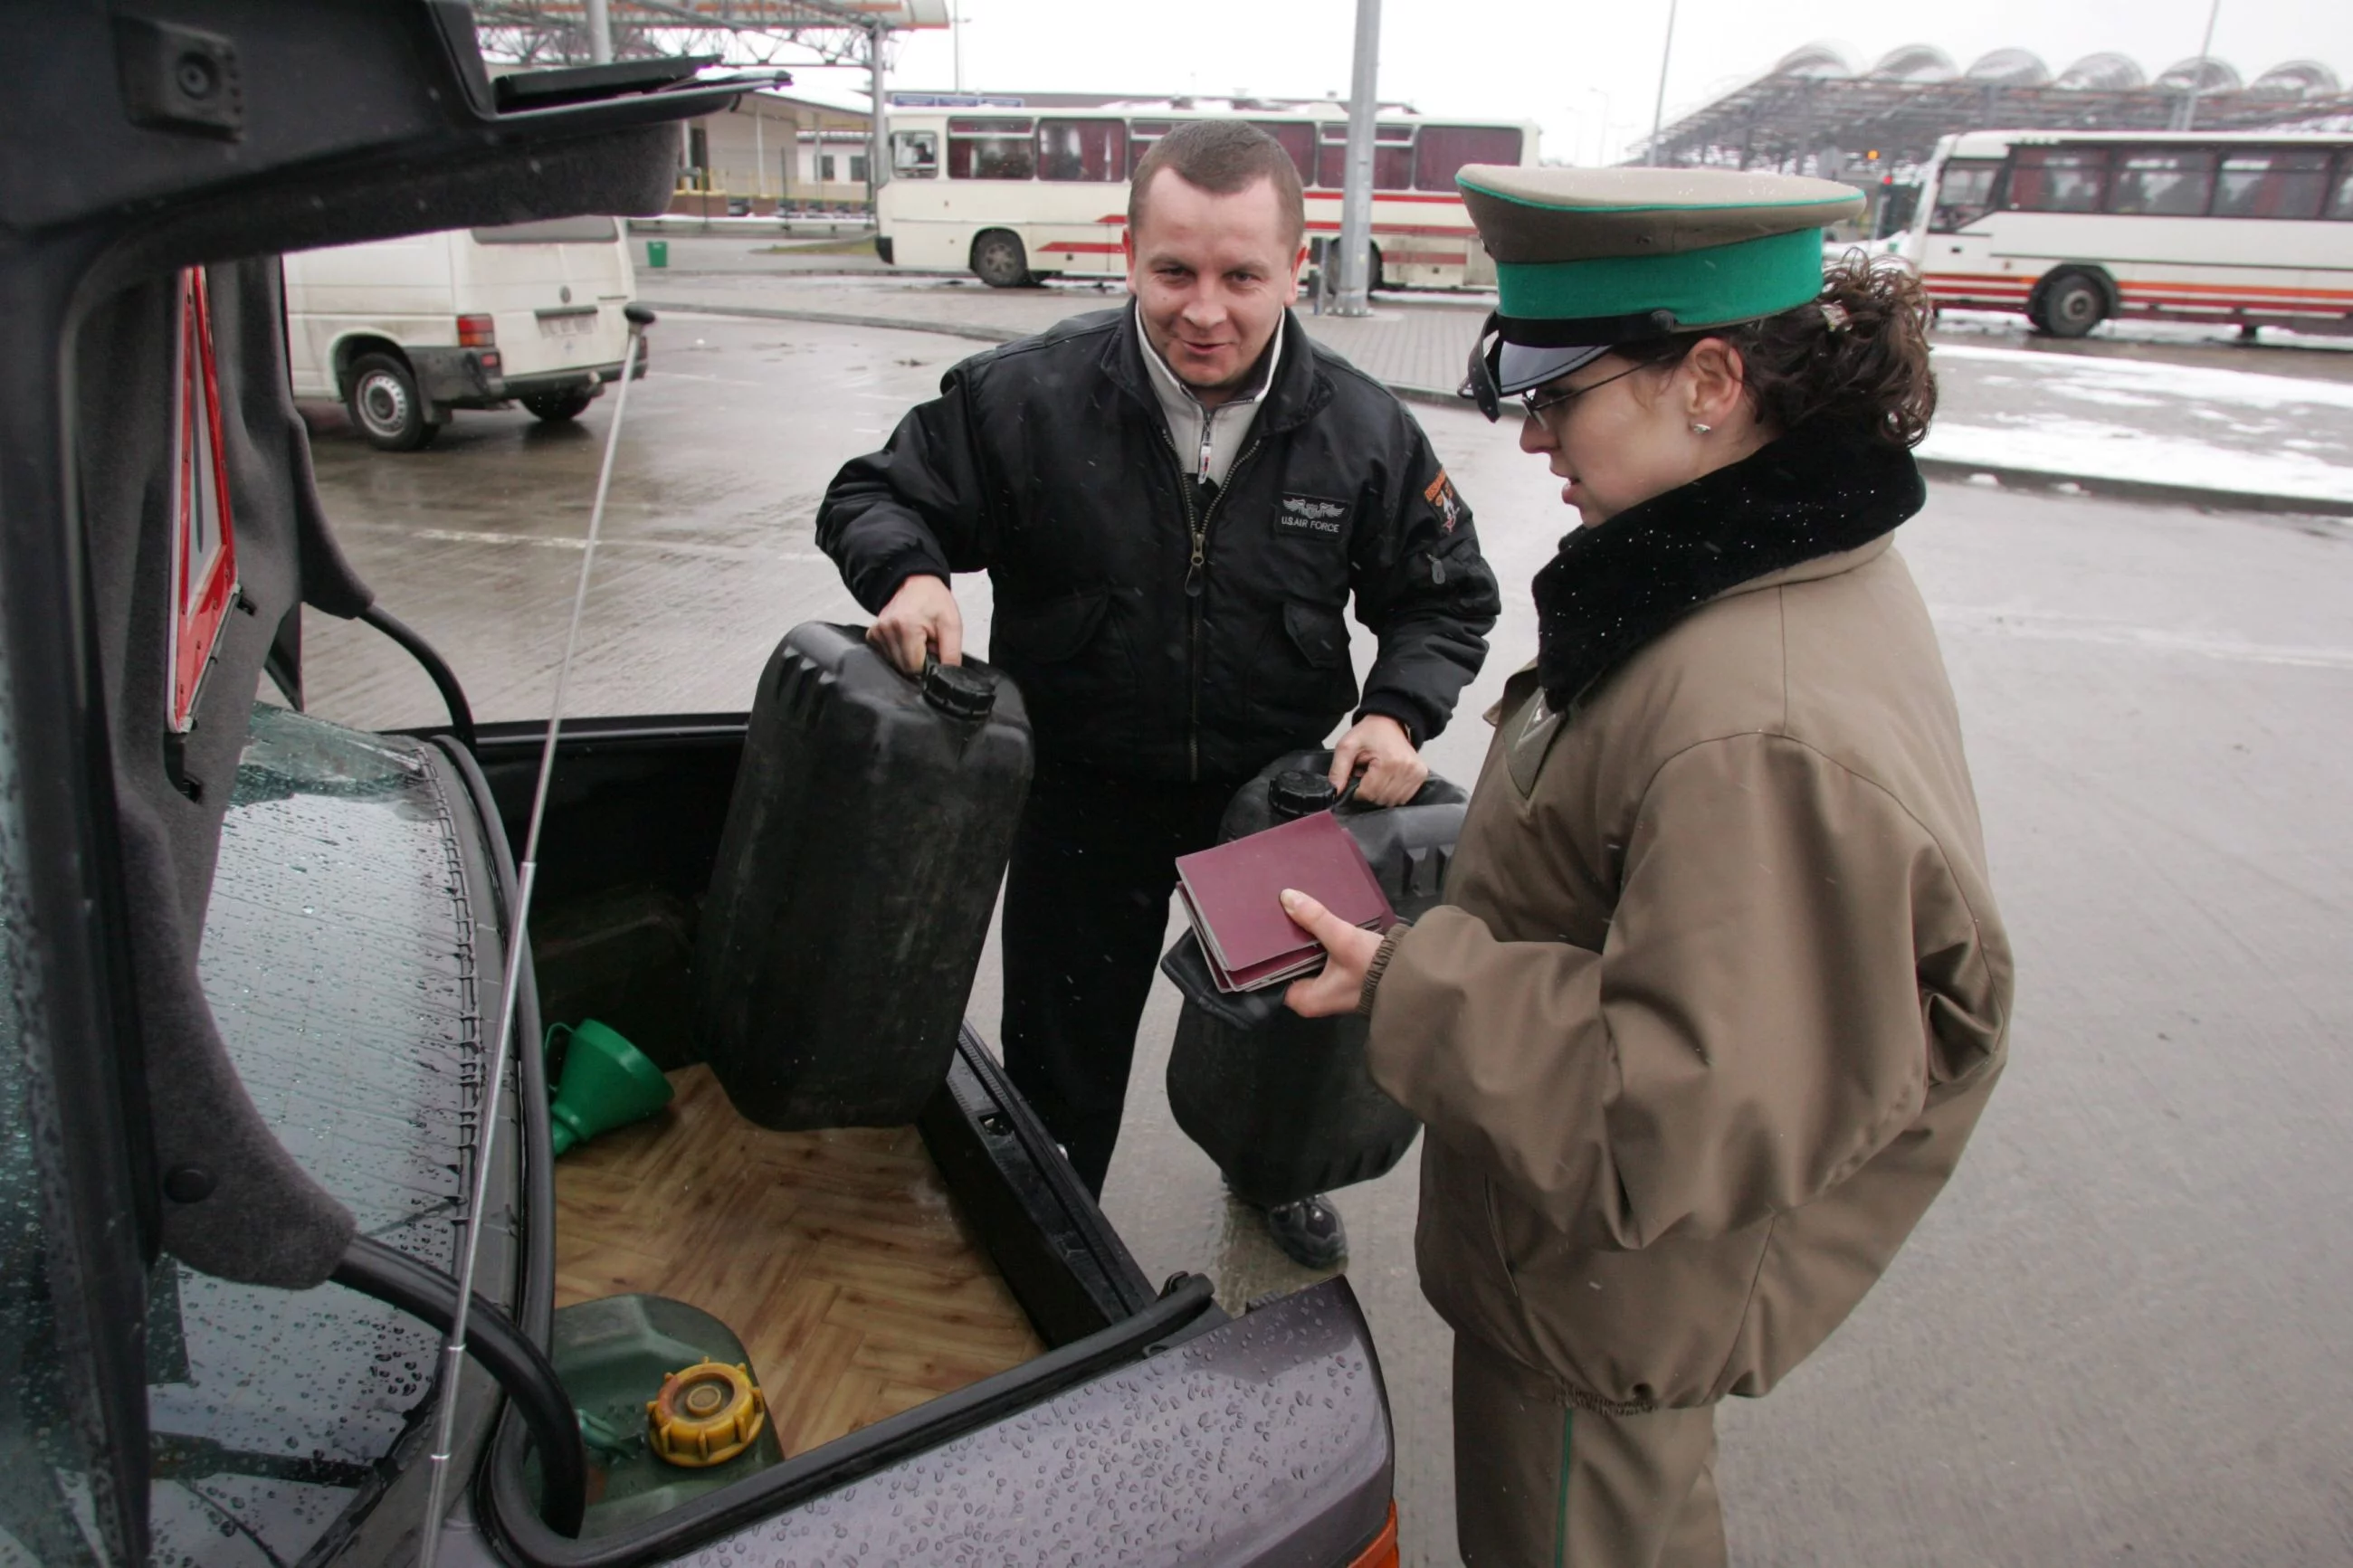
[(453, 1348)]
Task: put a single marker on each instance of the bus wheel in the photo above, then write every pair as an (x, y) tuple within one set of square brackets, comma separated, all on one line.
[(998, 260), (385, 407), (1372, 279), (2072, 307)]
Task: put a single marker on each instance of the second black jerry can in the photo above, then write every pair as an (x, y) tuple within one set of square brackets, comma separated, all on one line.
[(870, 823), (1288, 1109)]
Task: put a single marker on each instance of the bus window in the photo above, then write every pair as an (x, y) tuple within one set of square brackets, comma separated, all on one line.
[(1444, 149), (2340, 202), (1964, 194), (1142, 134), (2272, 185), (1082, 149), (2057, 179), (915, 154), (1297, 139), (991, 150), (1392, 158), (2162, 185)]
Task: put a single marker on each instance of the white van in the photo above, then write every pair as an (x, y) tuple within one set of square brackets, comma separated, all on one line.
[(403, 330)]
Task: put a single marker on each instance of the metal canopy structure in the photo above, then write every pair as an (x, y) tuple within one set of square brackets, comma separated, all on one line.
[(557, 32), (741, 32), (1812, 113)]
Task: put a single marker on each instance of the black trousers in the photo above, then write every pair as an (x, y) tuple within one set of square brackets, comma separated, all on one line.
[(1086, 906)]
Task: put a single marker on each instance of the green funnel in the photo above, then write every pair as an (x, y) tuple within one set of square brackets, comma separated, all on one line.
[(607, 1083)]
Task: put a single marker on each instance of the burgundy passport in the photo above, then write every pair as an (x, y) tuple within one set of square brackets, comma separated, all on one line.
[(1233, 895)]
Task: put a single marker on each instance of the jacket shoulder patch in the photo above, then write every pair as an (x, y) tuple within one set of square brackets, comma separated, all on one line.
[(1441, 495)]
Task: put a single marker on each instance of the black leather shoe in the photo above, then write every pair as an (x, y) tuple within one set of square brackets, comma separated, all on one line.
[(1309, 1232)]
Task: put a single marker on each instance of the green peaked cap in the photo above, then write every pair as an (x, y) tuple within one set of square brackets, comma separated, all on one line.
[(1710, 247)]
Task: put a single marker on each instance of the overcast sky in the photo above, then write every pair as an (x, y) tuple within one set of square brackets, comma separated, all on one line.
[(1554, 62)]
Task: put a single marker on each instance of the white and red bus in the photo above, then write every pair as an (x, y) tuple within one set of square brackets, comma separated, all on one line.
[(1016, 195), (2248, 229)]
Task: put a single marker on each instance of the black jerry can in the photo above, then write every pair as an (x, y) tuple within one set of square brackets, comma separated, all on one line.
[(870, 823), (1288, 1109)]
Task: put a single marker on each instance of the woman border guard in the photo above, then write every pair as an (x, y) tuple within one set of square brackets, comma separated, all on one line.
[(1719, 990)]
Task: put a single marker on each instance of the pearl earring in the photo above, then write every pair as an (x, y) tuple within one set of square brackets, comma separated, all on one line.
[(1698, 429)]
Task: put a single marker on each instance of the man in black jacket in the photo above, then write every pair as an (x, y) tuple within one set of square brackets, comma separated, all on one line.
[(1174, 502)]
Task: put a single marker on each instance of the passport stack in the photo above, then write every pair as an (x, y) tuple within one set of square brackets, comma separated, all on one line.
[(1233, 896)]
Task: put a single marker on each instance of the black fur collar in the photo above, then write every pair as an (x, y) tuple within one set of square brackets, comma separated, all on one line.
[(1612, 589)]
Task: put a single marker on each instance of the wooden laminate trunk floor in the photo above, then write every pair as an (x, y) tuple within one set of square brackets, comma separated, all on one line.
[(836, 1256)]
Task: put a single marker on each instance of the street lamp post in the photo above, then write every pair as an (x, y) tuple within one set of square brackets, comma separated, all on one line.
[(878, 137), (1659, 109), (1357, 190), (2198, 71), (1601, 140)]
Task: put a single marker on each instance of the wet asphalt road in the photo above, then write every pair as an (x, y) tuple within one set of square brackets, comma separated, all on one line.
[(2119, 1337)]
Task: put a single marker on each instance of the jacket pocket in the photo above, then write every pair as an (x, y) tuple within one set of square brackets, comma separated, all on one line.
[(1052, 634), (1319, 633), (1069, 657)]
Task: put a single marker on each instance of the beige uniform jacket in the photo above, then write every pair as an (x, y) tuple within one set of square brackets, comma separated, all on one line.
[(1717, 996)]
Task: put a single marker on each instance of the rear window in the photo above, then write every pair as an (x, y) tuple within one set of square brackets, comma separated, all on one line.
[(590, 230), (2341, 201)]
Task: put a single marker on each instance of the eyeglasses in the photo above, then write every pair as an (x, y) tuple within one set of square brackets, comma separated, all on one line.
[(1536, 407), (1480, 384)]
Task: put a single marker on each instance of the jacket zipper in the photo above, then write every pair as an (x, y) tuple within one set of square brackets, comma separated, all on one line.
[(1198, 528)]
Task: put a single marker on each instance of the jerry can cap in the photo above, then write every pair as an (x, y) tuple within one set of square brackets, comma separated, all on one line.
[(958, 690), (1297, 791), (705, 1415)]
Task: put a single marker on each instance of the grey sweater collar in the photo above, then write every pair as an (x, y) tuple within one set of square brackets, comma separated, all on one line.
[(1208, 439)]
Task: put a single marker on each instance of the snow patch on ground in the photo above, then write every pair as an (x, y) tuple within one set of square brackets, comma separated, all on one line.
[(2099, 451), (2145, 378), (2139, 330), (2107, 395)]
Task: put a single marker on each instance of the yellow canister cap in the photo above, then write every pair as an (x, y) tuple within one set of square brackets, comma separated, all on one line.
[(706, 1414)]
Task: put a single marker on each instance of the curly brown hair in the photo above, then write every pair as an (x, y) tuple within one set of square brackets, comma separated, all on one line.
[(1854, 359)]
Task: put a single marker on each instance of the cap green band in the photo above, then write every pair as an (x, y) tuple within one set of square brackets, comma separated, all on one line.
[(1713, 287)]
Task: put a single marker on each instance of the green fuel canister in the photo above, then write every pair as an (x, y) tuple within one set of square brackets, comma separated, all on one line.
[(669, 1407)]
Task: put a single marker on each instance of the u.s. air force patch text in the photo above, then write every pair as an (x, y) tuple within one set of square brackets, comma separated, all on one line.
[(1314, 516)]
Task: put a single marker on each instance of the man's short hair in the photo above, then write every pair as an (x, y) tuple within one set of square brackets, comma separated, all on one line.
[(1223, 157)]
